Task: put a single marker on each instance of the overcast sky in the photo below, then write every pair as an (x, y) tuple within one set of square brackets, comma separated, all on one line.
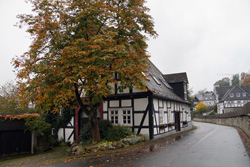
[(201, 37)]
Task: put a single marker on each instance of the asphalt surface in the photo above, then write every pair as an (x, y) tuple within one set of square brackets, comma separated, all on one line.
[(209, 146)]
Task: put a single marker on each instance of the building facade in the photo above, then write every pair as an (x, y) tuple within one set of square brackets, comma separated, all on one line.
[(231, 97), (156, 112)]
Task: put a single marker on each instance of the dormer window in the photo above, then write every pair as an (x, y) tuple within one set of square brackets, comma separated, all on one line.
[(145, 76), (244, 94), (238, 94), (156, 80), (231, 95)]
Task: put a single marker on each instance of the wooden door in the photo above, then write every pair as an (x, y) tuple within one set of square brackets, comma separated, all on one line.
[(177, 121)]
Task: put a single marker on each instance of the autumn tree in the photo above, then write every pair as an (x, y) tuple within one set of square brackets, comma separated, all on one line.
[(77, 46), (201, 107), (245, 77), (246, 81)]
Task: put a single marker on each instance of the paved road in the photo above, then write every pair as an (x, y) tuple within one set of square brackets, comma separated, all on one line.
[(208, 146)]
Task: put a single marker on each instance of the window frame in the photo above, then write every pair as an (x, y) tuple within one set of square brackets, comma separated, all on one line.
[(237, 94), (127, 116), (115, 114), (119, 117)]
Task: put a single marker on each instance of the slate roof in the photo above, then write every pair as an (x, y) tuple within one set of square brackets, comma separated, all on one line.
[(158, 85), (221, 91), (246, 88), (207, 96), (176, 77), (224, 91)]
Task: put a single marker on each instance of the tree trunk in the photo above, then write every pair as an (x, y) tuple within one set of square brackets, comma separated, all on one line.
[(95, 129), (92, 115)]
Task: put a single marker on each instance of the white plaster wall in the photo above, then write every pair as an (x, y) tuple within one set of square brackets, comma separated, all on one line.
[(165, 105), (155, 102), (112, 85), (143, 131), (136, 90), (105, 116), (114, 103), (156, 119), (140, 104), (161, 103), (126, 103), (60, 134), (156, 130), (124, 90), (68, 131), (105, 106), (138, 118), (67, 134)]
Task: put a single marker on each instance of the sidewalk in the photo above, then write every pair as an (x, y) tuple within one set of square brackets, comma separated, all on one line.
[(245, 139)]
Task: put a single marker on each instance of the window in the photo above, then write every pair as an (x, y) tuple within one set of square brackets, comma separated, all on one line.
[(231, 95), (121, 116), (185, 92), (114, 117), (126, 117), (244, 94), (146, 76), (237, 94), (156, 80), (161, 116)]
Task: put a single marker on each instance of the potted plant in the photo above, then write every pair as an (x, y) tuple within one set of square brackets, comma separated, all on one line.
[(170, 124), (185, 122), (162, 126)]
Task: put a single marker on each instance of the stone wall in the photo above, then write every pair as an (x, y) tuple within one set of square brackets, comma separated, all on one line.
[(239, 118)]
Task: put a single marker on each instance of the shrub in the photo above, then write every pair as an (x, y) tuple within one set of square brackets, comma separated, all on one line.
[(85, 133), (104, 126), (43, 131), (118, 132), (107, 132)]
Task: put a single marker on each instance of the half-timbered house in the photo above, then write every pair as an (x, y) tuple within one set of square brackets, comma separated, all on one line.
[(156, 112), (230, 98), (161, 110)]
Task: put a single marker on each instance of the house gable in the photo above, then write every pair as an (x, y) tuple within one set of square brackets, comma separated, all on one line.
[(236, 93), (221, 91)]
